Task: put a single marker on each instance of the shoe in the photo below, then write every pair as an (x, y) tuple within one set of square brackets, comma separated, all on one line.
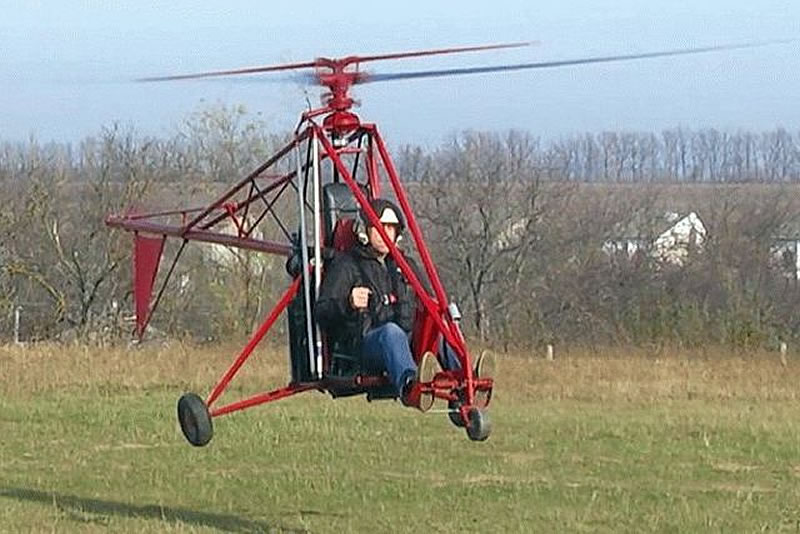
[(484, 368), (412, 394)]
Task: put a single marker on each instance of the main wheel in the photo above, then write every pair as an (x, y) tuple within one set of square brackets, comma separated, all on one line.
[(479, 426), (195, 420)]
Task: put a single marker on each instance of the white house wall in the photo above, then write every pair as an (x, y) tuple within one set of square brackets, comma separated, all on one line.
[(779, 251), (673, 245)]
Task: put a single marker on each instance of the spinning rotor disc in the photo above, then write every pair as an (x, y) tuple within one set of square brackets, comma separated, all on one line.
[(325, 67)]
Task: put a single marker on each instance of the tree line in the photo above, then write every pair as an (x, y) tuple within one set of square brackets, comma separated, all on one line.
[(516, 225), (522, 248), (679, 155)]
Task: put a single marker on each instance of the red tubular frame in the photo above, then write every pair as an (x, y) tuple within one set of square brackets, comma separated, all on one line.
[(205, 236), (433, 321), (437, 310), (262, 398), (460, 347), (363, 202), (433, 318), (252, 176)]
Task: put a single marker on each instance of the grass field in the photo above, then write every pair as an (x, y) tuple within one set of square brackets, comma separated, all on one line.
[(633, 442)]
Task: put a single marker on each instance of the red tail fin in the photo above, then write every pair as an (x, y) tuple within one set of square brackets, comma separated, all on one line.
[(146, 258)]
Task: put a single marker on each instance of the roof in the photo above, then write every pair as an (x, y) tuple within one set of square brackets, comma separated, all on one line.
[(646, 227)]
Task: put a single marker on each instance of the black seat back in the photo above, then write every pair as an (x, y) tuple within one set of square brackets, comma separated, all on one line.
[(338, 204)]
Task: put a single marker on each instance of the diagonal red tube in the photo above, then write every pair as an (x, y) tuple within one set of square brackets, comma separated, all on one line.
[(255, 340)]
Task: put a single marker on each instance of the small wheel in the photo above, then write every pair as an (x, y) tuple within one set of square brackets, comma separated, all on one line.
[(485, 367), (454, 410), (480, 426), (195, 420), (455, 414)]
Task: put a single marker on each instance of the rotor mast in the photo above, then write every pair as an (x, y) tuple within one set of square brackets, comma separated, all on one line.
[(335, 75)]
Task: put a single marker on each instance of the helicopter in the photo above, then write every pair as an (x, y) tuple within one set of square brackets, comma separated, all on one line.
[(337, 165)]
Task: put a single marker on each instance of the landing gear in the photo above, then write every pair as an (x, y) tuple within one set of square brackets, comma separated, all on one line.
[(454, 409), (454, 413), (480, 426), (195, 420)]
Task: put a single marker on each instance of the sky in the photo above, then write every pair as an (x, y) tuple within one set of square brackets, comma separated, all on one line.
[(67, 68)]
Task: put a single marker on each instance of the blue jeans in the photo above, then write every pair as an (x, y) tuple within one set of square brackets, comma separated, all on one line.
[(448, 360), (386, 348)]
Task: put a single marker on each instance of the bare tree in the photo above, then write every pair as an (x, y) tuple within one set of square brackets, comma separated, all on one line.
[(60, 244), (480, 202)]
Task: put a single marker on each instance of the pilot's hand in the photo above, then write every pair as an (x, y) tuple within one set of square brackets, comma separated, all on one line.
[(359, 298)]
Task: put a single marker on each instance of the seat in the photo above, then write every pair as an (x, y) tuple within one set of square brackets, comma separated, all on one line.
[(338, 204), (339, 210)]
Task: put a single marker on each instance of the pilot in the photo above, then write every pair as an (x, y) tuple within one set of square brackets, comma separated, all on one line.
[(365, 303)]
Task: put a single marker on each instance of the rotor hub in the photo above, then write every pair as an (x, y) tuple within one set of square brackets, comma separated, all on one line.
[(341, 122)]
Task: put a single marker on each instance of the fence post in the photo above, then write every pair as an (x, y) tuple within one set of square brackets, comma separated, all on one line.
[(549, 355), (783, 350), (17, 313)]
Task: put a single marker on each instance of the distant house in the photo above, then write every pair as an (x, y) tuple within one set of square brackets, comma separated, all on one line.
[(625, 246), (671, 241), (230, 257), (785, 251), (785, 256), (674, 244), (511, 236)]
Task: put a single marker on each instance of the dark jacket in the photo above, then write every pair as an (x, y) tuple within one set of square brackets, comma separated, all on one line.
[(392, 297)]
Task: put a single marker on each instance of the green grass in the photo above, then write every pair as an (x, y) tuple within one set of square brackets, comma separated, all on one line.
[(90, 444)]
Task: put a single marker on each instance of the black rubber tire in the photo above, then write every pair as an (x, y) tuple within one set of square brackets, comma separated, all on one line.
[(454, 412), (480, 426), (195, 420)]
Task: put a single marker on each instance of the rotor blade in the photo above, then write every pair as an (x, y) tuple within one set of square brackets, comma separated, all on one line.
[(301, 78), (444, 51), (322, 62), (232, 72), (368, 78)]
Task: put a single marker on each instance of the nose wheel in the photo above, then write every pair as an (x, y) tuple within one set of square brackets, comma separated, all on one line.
[(479, 425), (195, 420)]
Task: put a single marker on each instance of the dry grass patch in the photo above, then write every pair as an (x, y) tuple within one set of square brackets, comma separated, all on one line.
[(42, 367), (642, 376), (613, 374)]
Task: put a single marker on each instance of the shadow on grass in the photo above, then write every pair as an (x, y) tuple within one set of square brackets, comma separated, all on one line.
[(78, 509)]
